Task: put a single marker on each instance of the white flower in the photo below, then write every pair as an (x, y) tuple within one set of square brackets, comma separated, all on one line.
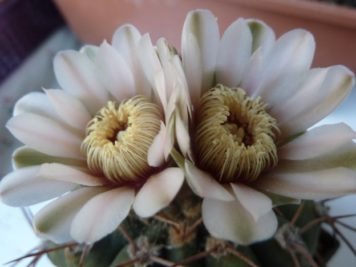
[(253, 100), (100, 145)]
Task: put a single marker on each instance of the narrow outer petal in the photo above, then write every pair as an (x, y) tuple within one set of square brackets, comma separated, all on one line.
[(204, 185), (314, 185), (318, 141), (61, 172), (257, 203), (45, 135), (202, 25), (102, 214), (69, 109), (26, 187), (230, 221), (54, 220), (158, 191)]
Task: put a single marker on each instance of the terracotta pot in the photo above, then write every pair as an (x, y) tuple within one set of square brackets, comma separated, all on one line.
[(333, 27)]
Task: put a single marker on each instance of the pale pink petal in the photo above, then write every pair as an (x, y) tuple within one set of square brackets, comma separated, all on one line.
[(36, 103), (69, 109), (322, 98), (202, 26), (54, 221), (317, 141), (77, 75), (315, 185), (26, 187), (155, 155), (45, 135), (257, 203), (204, 185), (292, 54), (252, 77), (62, 172), (115, 73), (158, 192), (234, 53), (101, 215), (231, 221)]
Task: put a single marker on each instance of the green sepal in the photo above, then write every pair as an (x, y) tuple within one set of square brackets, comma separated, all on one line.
[(57, 257), (278, 200), (122, 257)]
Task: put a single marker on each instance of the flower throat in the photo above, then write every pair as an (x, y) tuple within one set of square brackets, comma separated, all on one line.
[(235, 136)]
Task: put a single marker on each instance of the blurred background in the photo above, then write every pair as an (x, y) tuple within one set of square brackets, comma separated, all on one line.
[(32, 31)]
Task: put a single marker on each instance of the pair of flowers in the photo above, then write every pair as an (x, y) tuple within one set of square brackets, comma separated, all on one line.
[(232, 111)]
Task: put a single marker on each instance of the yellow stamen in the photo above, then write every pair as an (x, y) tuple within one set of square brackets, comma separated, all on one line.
[(235, 136), (118, 139)]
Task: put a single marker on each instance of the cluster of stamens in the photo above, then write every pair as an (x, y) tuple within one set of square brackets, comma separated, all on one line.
[(235, 136), (118, 138)]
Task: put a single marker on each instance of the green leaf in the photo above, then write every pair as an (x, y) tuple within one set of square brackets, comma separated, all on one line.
[(278, 200)]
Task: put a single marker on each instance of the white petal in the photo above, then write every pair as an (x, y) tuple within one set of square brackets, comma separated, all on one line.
[(263, 35), (90, 51), (102, 214), (204, 185), (193, 68), (318, 141), (230, 221), (152, 68), (77, 75), (125, 41), (54, 220), (308, 109), (69, 109), (182, 135), (25, 187), (158, 191), (255, 202), (61, 172), (310, 185), (45, 135), (116, 74), (308, 91), (155, 155), (202, 25), (292, 54), (252, 77), (36, 103), (234, 53)]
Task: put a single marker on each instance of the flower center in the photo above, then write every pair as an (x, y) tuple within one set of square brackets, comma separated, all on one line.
[(235, 136), (118, 138)]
